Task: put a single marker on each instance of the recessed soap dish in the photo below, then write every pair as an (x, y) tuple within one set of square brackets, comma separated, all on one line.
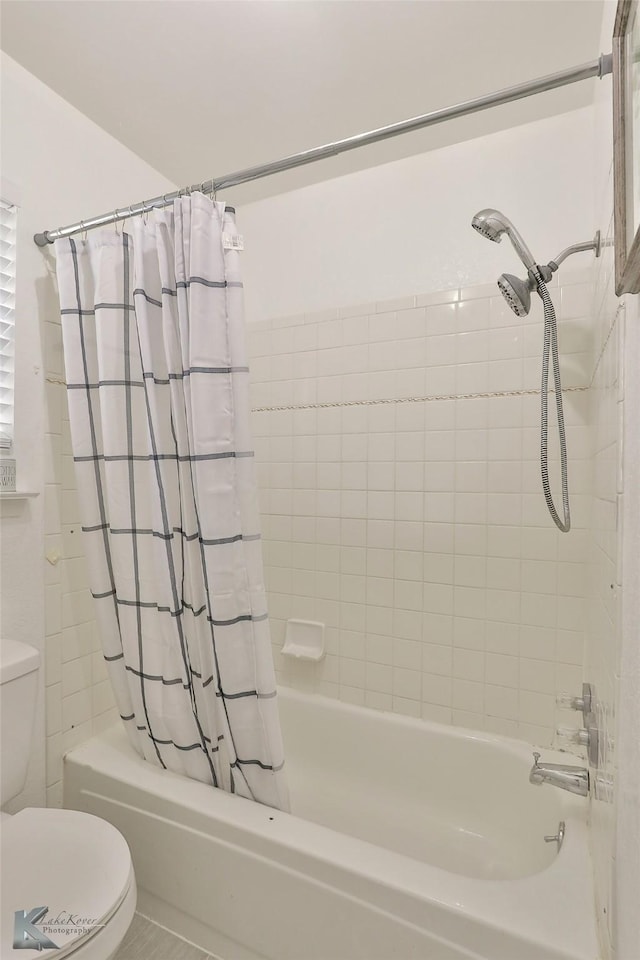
[(304, 640)]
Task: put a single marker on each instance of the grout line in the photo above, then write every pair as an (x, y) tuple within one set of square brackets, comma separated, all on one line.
[(621, 306)]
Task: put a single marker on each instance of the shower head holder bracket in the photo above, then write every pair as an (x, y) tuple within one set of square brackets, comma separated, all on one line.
[(546, 272)]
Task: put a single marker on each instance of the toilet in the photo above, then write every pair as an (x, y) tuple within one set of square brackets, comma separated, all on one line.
[(68, 887)]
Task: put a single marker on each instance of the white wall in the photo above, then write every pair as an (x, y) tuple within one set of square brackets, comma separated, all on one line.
[(613, 645), (405, 226), (616, 654), (65, 168), (627, 852)]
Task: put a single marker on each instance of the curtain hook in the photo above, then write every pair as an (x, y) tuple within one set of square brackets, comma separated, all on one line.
[(115, 222), (129, 213), (83, 231)]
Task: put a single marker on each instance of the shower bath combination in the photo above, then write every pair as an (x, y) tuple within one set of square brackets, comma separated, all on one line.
[(492, 224)]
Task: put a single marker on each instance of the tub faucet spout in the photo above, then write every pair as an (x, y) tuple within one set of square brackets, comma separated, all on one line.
[(573, 779)]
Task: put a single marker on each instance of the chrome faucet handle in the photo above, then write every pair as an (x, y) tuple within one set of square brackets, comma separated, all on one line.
[(570, 702), (585, 704), (559, 837), (574, 735), (589, 738), (536, 757)]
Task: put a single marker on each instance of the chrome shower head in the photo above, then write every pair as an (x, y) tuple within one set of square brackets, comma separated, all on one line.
[(492, 224), (489, 224), (516, 292)]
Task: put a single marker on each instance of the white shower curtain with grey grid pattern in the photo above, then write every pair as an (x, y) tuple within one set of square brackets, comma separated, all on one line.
[(158, 391)]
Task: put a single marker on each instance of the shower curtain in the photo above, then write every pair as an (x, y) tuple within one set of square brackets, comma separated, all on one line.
[(158, 393)]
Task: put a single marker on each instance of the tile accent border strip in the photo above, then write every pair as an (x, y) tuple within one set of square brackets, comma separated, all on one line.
[(368, 403), (444, 396)]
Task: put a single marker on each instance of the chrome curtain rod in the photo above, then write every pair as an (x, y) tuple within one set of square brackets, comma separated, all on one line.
[(596, 68)]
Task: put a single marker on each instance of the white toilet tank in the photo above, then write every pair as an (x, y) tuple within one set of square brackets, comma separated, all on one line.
[(19, 681)]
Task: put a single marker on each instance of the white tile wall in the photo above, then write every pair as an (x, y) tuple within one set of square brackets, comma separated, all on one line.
[(604, 635), (416, 528), (78, 695)]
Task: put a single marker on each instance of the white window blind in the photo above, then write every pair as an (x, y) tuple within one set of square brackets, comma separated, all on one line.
[(8, 214)]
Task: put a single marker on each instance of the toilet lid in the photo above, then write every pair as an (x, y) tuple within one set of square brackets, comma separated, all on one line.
[(63, 874)]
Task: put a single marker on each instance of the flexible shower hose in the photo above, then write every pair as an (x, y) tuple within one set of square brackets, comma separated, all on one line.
[(551, 348)]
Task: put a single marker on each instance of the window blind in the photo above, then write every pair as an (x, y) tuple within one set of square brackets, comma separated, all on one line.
[(8, 216)]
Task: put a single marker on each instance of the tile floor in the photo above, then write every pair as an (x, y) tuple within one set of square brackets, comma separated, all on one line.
[(147, 941)]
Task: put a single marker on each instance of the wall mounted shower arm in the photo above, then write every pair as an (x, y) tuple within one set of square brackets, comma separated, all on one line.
[(595, 245)]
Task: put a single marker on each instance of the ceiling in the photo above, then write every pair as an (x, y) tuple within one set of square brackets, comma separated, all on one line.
[(201, 88)]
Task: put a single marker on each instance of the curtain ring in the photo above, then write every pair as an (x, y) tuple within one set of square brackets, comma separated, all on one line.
[(115, 222), (83, 231)]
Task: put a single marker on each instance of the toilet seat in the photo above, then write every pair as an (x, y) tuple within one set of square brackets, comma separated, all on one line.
[(74, 864)]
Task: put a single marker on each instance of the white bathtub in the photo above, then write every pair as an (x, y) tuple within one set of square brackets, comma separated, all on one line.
[(407, 840)]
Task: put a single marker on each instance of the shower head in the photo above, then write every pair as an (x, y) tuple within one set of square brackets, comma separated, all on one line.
[(492, 224), (516, 292), (489, 224)]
